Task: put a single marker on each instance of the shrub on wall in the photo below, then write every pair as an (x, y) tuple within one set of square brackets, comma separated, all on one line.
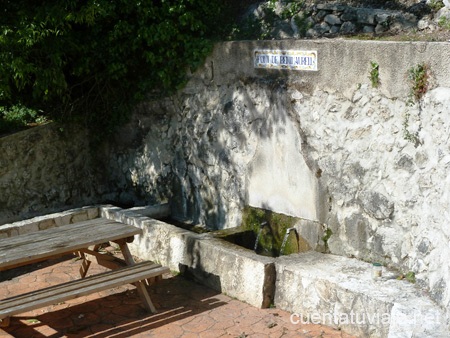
[(89, 60), (18, 117)]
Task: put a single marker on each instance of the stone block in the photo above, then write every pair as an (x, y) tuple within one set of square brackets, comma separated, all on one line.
[(349, 15), (46, 224), (48, 221), (368, 29), (154, 211), (332, 19), (92, 212), (226, 267), (348, 28), (239, 272), (63, 219), (376, 205), (341, 292), (365, 16), (79, 216), (27, 228), (332, 7)]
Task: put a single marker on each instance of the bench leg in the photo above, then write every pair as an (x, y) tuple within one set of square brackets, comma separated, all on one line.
[(4, 322), (85, 264), (140, 286)]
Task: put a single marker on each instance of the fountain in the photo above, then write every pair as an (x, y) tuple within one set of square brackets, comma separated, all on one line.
[(286, 235), (261, 226), (311, 283)]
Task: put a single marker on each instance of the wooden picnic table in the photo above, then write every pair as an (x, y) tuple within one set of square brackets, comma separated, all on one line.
[(41, 245), (83, 239)]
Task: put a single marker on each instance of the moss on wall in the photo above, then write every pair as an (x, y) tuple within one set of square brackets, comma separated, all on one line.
[(272, 228)]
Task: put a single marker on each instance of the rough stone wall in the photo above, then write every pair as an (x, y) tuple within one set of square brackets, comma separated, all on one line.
[(323, 146), (388, 197), (314, 19), (140, 160), (43, 170), (237, 132)]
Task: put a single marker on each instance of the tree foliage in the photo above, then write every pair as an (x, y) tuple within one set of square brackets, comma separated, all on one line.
[(89, 60)]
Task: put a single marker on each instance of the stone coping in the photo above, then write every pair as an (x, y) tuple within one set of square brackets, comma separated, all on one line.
[(341, 292), (77, 215), (49, 221), (315, 287)]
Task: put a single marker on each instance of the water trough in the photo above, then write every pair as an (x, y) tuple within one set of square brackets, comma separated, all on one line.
[(315, 287)]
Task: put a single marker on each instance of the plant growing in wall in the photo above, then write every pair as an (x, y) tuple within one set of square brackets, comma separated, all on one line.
[(407, 135), (326, 237), (444, 22), (419, 78), (18, 117), (374, 74), (292, 9), (302, 22), (410, 276)]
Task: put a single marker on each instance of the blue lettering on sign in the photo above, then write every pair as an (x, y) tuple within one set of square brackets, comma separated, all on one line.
[(263, 59), (286, 59), (303, 61)]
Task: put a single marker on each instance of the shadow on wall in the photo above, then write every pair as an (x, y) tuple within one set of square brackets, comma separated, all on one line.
[(194, 268), (46, 169), (239, 146), (212, 149)]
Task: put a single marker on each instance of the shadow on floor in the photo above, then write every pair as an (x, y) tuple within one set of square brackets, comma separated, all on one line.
[(119, 314)]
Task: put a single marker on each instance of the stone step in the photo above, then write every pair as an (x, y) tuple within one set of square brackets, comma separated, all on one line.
[(341, 292)]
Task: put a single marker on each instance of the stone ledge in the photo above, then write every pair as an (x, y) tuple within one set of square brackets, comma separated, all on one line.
[(223, 266), (49, 221), (340, 292)]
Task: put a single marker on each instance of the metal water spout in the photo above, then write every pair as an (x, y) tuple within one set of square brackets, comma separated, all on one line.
[(261, 226), (286, 235)]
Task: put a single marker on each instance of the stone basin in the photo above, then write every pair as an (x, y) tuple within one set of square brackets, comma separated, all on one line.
[(221, 265), (315, 287)]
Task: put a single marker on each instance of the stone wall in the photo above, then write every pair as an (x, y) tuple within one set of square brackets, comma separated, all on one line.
[(323, 146), (44, 169), (315, 19), (330, 19)]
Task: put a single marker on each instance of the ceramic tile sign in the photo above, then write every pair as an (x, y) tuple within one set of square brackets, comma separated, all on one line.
[(286, 59)]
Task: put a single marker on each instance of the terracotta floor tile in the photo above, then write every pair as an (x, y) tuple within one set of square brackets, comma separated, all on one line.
[(4, 334), (199, 324), (212, 334), (222, 325), (167, 331), (186, 309)]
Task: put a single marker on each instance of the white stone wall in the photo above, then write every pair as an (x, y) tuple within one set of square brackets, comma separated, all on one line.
[(388, 197), (323, 146)]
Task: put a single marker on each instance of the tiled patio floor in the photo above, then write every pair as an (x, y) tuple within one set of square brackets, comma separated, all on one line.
[(185, 309)]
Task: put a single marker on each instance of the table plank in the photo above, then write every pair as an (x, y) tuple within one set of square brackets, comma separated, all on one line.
[(40, 245)]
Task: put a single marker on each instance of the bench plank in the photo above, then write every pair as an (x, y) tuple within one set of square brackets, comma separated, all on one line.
[(32, 247), (80, 287)]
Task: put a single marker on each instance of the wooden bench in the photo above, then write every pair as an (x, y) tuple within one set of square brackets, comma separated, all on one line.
[(81, 287)]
